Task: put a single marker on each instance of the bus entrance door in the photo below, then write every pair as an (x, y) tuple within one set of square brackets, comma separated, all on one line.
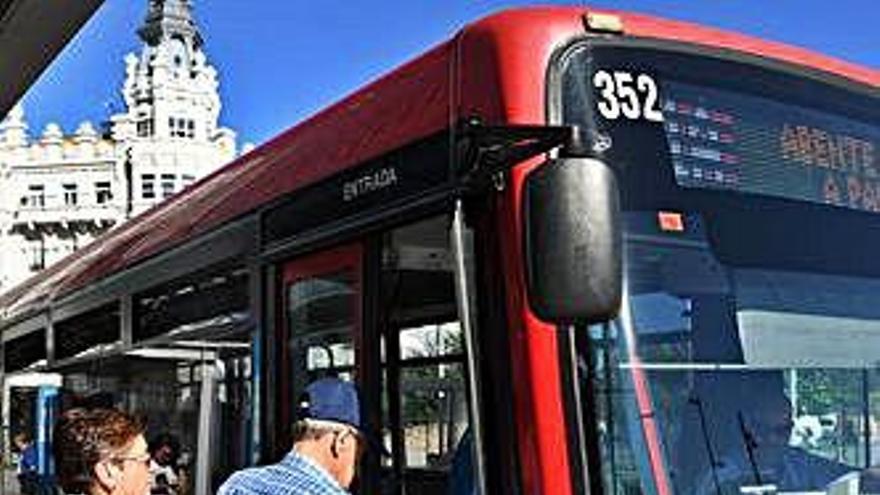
[(321, 321)]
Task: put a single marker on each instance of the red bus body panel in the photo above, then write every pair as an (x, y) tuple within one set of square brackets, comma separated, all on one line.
[(495, 68)]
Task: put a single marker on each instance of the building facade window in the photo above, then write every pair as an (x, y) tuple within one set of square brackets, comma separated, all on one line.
[(148, 190), (178, 127), (187, 180), (37, 256), (145, 128), (70, 194), (103, 193), (36, 196), (167, 185)]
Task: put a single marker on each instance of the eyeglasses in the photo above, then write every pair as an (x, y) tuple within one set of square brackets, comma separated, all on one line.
[(143, 459), (358, 437)]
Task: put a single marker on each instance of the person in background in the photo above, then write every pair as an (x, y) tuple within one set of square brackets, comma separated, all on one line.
[(28, 477), (164, 451), (761, 455), (327, 444), (101, 452), (766, 430)]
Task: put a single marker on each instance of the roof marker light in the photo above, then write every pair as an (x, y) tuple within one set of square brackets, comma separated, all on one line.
[(598, 21)]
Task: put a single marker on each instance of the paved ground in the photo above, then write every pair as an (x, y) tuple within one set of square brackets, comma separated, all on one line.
[(9, 483)]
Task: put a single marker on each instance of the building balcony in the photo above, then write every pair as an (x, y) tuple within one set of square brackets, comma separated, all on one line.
[(78, 213), (35, 223)]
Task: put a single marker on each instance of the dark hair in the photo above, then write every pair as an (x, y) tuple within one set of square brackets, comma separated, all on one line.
[(84, 437), (163, 439)]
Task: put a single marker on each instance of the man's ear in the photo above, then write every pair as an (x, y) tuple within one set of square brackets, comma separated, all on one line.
[(107, 475), (349, 441), (334, 449)]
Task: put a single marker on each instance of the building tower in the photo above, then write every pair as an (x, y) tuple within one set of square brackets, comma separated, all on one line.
[(169, 136), (58, 191)]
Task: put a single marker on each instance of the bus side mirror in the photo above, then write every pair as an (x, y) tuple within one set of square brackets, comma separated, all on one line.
[(573, 241)]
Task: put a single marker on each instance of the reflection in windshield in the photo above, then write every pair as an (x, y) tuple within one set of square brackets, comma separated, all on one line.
[(728, 380)]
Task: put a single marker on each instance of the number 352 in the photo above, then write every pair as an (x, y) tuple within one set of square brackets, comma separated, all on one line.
[(622, 94)]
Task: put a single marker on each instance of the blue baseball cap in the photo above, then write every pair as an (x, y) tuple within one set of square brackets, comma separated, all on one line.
[(331, 399)]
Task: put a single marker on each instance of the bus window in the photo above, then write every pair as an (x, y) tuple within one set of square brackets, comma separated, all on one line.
[(752, 376), (434, 405), (320, 323), (425, 388)]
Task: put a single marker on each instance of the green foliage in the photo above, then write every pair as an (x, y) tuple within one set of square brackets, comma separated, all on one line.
[(822, 391)]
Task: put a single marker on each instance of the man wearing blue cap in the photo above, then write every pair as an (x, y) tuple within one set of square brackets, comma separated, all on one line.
[(327, 443)]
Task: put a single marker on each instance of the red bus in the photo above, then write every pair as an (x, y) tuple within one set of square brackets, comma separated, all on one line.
[(566, 251)]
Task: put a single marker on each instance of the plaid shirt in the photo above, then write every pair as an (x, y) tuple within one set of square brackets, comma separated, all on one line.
[(295, 474)]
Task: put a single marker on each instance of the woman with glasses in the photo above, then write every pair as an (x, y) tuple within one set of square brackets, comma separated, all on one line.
[(101, 452)]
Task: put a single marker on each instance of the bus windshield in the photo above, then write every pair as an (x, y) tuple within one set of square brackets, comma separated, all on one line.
[(746, 357)]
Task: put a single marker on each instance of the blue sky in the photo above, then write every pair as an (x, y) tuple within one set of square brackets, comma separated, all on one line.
[(282, 60)]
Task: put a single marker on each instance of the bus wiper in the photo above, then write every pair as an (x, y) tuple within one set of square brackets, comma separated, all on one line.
[(751, 445), (713, 464)]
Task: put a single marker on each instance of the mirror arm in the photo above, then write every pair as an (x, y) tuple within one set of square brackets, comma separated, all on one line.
[(483, 151)]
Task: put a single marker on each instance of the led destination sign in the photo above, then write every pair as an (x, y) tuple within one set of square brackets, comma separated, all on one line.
[(723, 140)]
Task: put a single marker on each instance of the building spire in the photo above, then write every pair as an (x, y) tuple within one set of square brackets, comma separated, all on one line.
[(168, 19)]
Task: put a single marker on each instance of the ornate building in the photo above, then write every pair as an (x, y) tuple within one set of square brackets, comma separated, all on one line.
[(58, 191)]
